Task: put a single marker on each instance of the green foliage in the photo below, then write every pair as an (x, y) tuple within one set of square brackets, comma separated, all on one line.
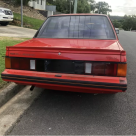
[(102, 7), (50, 1), (129, 22), (92, 5), (83, 7), (118, 18), (117, 24), (28, 21), (63, 6), (17, 2)]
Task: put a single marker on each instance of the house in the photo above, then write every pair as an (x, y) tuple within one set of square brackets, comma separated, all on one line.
[(38, 4), (41, 5)]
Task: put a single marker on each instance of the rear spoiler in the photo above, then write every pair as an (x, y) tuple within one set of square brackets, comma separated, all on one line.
[(64, 50)]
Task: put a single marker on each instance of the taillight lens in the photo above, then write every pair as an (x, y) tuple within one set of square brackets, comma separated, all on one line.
[(7, 63), (110, 69), (98, 69), (79, 67), (101, 69), (15, 63), (122, 70)]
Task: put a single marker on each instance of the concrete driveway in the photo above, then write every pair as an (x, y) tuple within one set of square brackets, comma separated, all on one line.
[(14, 31)]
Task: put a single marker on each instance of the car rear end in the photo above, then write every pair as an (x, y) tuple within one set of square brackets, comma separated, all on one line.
[(69, 64)]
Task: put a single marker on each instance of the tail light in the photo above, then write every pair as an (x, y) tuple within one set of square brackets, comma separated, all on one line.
[(106, 69), (15, 63), (8, 62), (111, 69), (19, 63), (77, 67), (122, 70), (98, 69)]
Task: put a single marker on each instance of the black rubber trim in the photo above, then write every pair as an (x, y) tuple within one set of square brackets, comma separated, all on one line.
[(122, 87)]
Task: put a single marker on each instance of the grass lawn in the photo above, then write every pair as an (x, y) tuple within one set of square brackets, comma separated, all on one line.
[(5, 41), (28, 21)]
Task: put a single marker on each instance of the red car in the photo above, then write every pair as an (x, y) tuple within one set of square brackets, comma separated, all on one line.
[(78, 52)]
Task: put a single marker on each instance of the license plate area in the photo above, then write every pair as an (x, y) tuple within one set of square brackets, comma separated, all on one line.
[(59, 66)]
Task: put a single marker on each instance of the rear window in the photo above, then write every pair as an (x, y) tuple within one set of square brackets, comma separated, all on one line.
[(80, 27)]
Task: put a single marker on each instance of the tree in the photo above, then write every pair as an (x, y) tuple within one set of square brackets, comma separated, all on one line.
[(102, 7), (50, 1), (83, 6), (92, 5), (117, 24), (63, 6), (17, 2), (129, 22)]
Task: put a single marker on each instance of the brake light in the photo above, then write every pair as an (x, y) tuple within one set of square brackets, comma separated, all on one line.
[(122, 70), (98, 69), (101, 69), (111, 69), (7, 63), (18, 63), (15, 63), (77, 67)]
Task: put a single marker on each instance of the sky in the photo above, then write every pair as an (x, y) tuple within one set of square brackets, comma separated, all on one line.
[(121, 7)]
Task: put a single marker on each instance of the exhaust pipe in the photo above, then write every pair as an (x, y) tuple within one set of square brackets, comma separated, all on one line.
[(32, 88)]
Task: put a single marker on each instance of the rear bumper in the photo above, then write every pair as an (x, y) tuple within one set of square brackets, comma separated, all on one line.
[(81, 82), (6, 20)]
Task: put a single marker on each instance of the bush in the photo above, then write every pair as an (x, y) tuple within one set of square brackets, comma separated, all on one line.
[(17, 2)]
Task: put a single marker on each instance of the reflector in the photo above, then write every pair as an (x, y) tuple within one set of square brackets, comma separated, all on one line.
[(32, 64), (7, 62), (88, 68), (122, 70)]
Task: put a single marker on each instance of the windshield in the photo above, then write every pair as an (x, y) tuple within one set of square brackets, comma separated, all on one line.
[(81, 27)]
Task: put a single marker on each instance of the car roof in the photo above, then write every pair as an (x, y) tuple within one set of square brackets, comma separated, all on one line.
[(83, 14)]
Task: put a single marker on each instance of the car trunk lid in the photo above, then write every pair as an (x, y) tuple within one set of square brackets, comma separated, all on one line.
[(68, 49)]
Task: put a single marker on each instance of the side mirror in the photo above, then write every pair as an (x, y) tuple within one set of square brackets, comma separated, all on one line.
[(117, 30)]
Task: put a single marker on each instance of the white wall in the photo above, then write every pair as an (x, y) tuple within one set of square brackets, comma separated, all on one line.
[(50, 13), (37, 4)]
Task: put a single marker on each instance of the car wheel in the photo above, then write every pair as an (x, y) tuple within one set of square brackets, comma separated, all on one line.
[(4, 23)]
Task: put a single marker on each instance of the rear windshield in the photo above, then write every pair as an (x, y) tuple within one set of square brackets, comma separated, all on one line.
[(80, 27)]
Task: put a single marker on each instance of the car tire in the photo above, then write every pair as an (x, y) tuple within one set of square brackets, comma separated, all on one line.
[(4, 23)]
